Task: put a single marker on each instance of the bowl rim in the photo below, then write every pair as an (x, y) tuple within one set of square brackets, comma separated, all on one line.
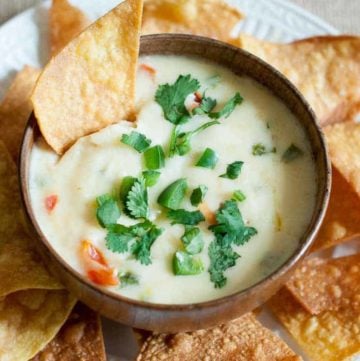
[(298, 253)]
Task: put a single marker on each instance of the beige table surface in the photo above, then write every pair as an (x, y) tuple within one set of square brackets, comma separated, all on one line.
[(343, 14)]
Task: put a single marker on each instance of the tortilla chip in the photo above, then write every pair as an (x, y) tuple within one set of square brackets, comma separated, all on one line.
[(90, 84), (66, 22), (212, 18), (325, 69), (344, 148), (330, 336), (15, 109), (244, 339), (80, 339), (20, 266), (29, 320), (326, 285), (342, 219)]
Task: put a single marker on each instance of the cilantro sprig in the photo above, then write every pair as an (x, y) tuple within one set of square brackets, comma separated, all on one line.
[(233, 170), (137, 200), (229, 230), (182, 216), (171, 98), (108, 211), (228, 108)]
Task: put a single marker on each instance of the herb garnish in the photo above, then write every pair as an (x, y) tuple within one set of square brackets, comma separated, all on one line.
[(137, 200), (172, 196), (233, 170), (192, 240), (136, 140), (128, 279), (260, 149), (108, 211), (230, 229), (172, 98), (206, 106), (228, 107), (139, 238), (238, 196), (198, 195), (208, 159), (292, 153), (180, 143), (154, 158), (186, 265), (182, 216)]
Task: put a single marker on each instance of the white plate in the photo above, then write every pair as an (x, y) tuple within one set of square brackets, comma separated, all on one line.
[(23, 40)]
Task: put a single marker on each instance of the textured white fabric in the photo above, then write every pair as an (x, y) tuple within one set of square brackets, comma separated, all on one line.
[(343, 14)]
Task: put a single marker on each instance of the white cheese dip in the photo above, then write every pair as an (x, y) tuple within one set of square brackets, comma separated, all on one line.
[(280, 196)]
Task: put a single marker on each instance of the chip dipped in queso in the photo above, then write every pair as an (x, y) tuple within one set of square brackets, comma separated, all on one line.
[(205, 195)]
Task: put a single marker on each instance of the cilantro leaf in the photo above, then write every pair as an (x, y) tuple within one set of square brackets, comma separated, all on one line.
[(182, 216), (108, 211), (260, 149), (230, 227), (198, 195), (137, 200), (136, 140), (128, 279), (181, 144), (292, 153), (118, 238), (186, 265), (146, 235), (228, 108), (221, 258), (233, 170), (172, 98), (139, 238), (192, 240), (206, 106)]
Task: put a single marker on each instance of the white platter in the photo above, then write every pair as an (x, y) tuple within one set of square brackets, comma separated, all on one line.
[(24, 39)]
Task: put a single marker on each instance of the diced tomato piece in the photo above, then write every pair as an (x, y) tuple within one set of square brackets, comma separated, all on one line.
[(207, 212), (103, 276), (149, 69), (91, 253), (97, 268), (198, 97), (51, 202)]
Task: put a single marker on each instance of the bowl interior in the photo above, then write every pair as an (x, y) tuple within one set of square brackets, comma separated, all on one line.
[(241, 63)]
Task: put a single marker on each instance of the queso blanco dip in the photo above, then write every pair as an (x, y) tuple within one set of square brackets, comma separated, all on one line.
[(157, 212)]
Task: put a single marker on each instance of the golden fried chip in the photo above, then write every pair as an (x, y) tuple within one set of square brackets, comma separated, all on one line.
[(325, 69), (20, 267), (330, 336), (66, 22), (344, 148), (80, 338), (212, 18), (15, 109), (29, 320), (244, 339), (326, 285), (342, 219), (91, 83)]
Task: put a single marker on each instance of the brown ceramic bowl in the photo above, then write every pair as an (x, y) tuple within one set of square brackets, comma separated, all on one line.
[(175, 318)]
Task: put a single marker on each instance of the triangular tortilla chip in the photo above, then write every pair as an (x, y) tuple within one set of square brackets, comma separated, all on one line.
[(326, 285), (342, 218), (80, 338), (91, 83), (20, 267), (325, 69), (344, 148), (16, 108), (244, 339), (66, 22), (29, 320), (213, 18), (330, 336)]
